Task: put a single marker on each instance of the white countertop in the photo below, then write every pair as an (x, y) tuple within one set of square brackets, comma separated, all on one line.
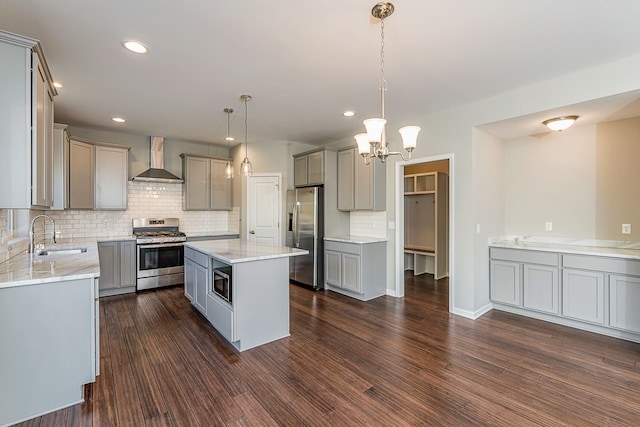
[(610, 248), (359, 240), (236, 250), (31, 269)]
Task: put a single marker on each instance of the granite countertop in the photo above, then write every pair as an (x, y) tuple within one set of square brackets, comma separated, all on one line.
[(359, 240), (235, 250), (31, 269), (610, 248)]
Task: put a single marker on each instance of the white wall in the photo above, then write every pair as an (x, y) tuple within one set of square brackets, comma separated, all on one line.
[(552, 179)]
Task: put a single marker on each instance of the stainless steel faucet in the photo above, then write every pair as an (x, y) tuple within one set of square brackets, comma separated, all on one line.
[(32, 233)]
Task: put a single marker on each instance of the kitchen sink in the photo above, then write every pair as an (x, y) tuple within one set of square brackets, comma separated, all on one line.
[(63, 251)]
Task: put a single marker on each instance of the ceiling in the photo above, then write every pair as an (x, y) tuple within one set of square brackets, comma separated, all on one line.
[(304, 63)]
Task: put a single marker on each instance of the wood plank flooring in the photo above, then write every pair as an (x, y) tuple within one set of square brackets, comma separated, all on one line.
[(387, 362)]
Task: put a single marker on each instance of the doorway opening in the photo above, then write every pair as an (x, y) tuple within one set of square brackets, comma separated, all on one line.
[(424, 223)]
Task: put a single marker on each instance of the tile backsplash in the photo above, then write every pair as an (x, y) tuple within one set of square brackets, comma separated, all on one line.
[(145, 199), (368, 224)]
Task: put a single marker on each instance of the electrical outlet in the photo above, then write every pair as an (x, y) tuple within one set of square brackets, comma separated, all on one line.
[(548, 226), (626, 228)]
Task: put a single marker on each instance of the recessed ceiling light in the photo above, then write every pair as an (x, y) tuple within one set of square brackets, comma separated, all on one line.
[(57, 85), (229, 138), (349, 113), (118, 119), (134, 46)]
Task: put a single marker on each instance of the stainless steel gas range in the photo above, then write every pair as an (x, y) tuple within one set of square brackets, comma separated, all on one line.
[(160, 252)]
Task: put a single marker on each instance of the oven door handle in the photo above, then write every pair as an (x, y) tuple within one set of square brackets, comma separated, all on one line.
[(160, 245)]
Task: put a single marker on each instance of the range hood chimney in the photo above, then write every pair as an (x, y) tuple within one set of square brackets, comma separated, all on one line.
[(156, 171)]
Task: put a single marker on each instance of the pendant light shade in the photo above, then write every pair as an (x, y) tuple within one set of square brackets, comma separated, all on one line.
[(246, 168), (228, 169), (362, 139), (409, 136)]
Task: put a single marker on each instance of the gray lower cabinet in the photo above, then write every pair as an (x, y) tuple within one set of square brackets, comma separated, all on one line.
[(526, 279), (196, 278), (205, 186), (117, 267), (583, 295), (355, 269), (362, 187), (624, 302), (596, 293)]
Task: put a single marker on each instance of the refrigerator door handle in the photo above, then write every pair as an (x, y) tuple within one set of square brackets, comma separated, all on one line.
[(296, 231)]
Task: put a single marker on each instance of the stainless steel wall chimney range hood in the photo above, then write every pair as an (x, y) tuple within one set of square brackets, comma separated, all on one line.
[(156, 171)]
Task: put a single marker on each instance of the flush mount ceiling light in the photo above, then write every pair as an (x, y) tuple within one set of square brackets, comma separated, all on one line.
[(246, 167), (374, 142), (135, 47), (118, 119), (228, 169), (560, 123)]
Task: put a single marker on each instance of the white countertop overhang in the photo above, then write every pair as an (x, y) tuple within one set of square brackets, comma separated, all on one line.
[(236, 250)]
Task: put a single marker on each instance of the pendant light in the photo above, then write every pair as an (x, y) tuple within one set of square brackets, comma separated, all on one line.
[(373, 144), (245, 167), (228, 169)]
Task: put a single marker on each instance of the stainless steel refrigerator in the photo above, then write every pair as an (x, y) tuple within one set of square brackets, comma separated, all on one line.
[(305, 230)]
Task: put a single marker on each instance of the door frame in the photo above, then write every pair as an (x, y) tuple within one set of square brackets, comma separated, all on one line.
[(249, 207), (399, 249)]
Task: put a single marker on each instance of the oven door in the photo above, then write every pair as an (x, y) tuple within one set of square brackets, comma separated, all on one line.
[(160, 259)]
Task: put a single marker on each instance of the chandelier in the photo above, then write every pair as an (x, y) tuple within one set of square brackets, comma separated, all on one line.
[(374, 142)]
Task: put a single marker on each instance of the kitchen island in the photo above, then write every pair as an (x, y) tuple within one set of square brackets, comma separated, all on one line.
[(257, 308)]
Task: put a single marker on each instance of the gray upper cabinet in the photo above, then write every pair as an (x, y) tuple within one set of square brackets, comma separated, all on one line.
[(111, 178), (309, 168), (205, 186), (26, 124), (61, 141), (97, 176), (81, 175), (361, 186)]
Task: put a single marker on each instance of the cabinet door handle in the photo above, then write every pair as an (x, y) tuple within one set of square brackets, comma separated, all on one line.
[(252, 232)]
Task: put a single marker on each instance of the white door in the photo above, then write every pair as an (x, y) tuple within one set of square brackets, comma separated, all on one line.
[(263, 209)]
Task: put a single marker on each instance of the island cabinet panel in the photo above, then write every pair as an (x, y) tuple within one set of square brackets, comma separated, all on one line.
[(355, 269), (196, 278), (624, 300)]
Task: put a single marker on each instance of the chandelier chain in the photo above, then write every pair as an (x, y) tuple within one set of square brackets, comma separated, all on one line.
[(383, 82)]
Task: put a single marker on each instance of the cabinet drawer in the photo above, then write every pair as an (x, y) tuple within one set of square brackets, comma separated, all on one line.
[(519, 255), (349, 248), (221, 317), (597, 263), (198, 257)]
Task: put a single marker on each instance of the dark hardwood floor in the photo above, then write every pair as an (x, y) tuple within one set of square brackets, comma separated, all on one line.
[(387, 362)]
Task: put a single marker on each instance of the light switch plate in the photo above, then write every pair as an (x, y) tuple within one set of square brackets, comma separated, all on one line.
[(626, 228)]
